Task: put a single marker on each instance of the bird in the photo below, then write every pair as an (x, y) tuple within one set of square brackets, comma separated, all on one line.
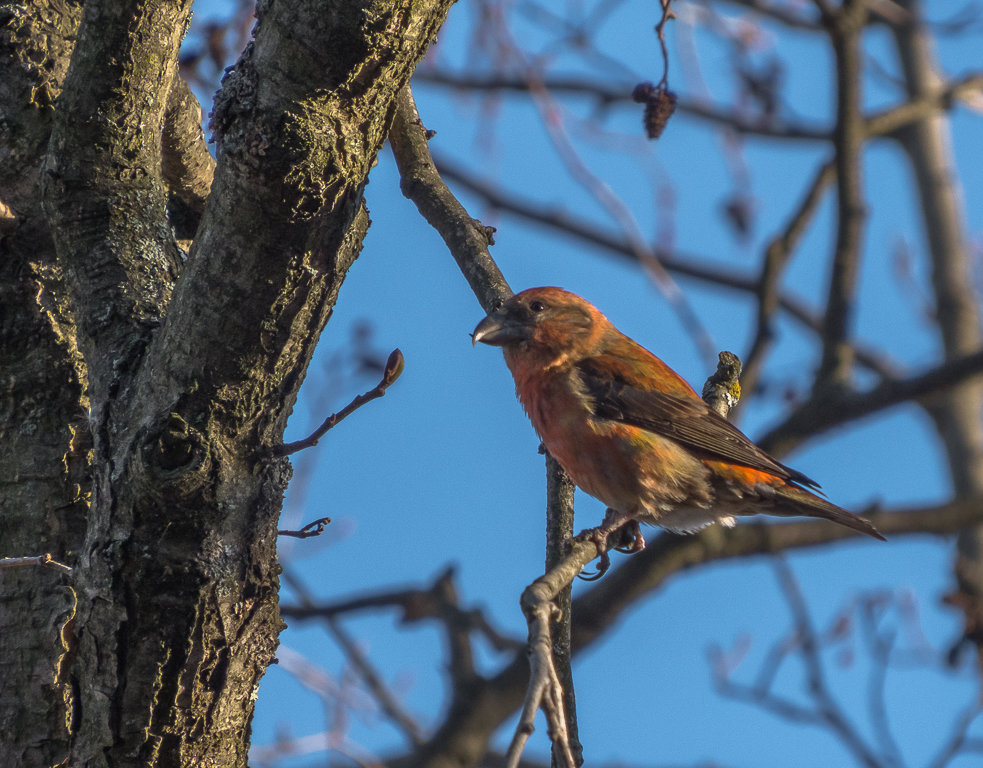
[(631, 432)]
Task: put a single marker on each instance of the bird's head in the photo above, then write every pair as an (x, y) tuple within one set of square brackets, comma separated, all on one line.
[(542, 321)]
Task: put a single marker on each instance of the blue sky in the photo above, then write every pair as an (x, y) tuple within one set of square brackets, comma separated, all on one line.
[(444, 469)]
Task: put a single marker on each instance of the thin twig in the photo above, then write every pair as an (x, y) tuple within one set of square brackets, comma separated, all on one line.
[(394, 367), (45, 561), (544, 692), (959, 740), (777, 255), (313, 528), (606, 94), (881, 646), (544, 689), (660, 31)]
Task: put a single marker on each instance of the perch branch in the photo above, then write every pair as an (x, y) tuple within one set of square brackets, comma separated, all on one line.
[(466, 238)]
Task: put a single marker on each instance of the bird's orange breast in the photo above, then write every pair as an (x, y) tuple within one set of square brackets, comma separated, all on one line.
[(627, 468)]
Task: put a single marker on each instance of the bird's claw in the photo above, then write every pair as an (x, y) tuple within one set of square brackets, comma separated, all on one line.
[(626, 538), (603, 563), (630, 538)]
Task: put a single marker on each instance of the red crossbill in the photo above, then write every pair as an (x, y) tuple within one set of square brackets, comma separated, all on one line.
[(630, 431)]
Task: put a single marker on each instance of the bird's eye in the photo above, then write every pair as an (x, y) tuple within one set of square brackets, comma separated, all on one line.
[(537, 306)]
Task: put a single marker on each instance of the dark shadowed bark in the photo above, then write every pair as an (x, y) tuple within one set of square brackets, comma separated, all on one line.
[(140, 382), (159, 309)]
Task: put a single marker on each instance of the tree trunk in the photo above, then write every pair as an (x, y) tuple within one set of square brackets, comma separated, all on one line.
[(141, 383)]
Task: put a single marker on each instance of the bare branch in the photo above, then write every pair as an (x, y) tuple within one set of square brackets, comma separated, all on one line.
[(544, 691), (959, 741), (372, 679), (777, 255), (845, 27), (830, 410), (889, 122), (466, 238), (660, 31), (314, 528), (475, 714), (779, 13), (394, 367), (927, 144), (559, 531), (826, 706), (42, 560), (605, 94)]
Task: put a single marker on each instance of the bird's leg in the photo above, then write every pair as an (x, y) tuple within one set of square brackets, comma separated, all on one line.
[(615, 524)]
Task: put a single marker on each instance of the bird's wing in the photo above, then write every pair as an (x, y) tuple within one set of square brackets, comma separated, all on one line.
[(682, 417)]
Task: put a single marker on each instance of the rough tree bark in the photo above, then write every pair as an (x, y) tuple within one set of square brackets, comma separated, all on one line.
[(140, 382)]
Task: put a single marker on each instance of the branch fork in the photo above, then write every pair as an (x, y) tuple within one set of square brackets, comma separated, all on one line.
[(544, 690)]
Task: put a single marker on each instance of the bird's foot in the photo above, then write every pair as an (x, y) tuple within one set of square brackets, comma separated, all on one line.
[(603, 563), (617, 532), (630, 538)]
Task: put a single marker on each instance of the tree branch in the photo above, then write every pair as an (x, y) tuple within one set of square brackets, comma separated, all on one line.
[(605, 94), (394, 367), (468, 242), (833, 409), (559, 532), (777, 255), (466, 238), (779, 13), (373, 681), (892, 121), (826, 707), (845, 26), (474, 716)]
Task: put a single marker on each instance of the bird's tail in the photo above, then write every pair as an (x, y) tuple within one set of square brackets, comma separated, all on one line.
[(791, 501)]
